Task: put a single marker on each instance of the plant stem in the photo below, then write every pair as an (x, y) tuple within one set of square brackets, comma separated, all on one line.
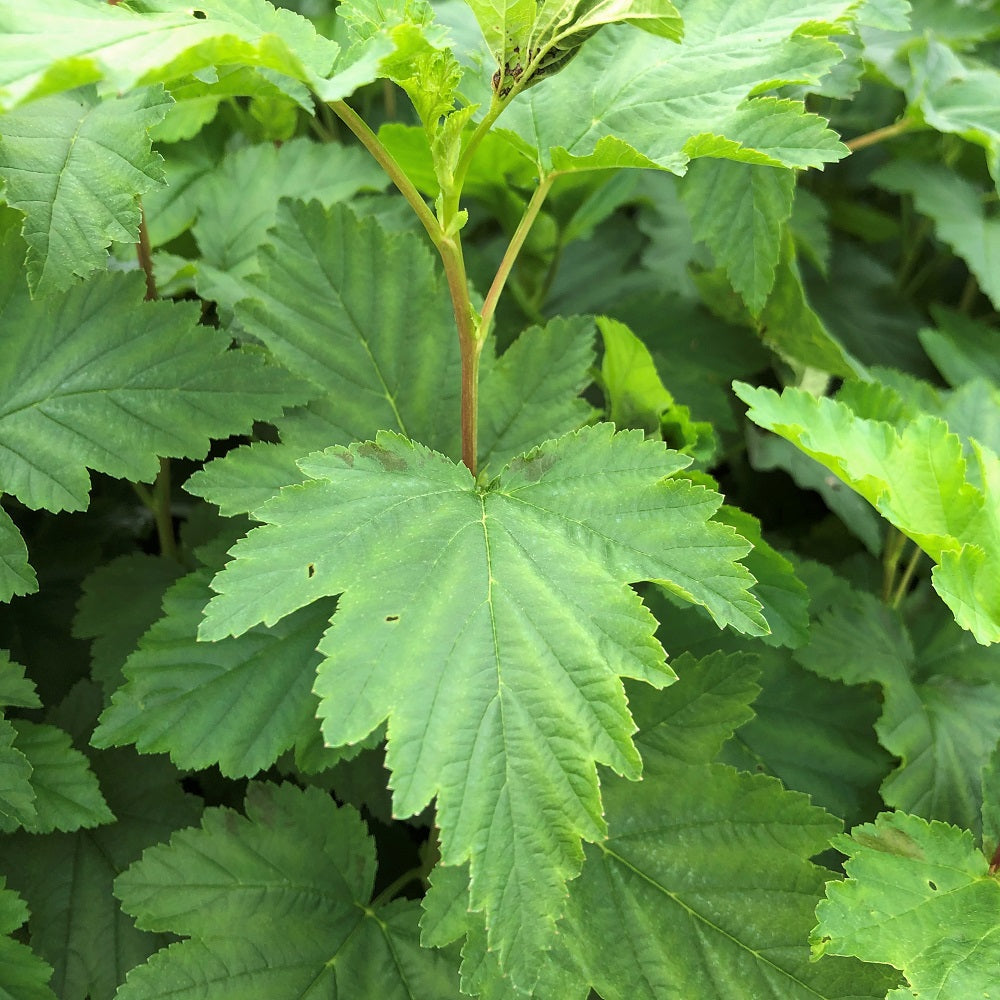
[(387, 162), (510, 254), (156, 500), (392, 889), (904, 581), (879, 134), (144, 252), (890, 560)]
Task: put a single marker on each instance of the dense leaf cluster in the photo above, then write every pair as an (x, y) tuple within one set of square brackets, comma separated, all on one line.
[(492, 492)]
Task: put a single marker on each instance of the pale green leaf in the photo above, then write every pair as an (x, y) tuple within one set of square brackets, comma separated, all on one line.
[(17, 578), (66, 794), (120, 600), (768, 452), (23, 975), (636, 396), (239, 703), (96, 378), (941, 707), (237, 202), (296, 863), (63, 44), (596, 112), (958, 211), (76, 924), (739, 211), (76, 165), (919, 897), (917, 480), (534, 553)]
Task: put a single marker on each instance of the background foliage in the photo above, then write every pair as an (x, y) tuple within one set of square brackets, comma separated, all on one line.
[(499, 498)]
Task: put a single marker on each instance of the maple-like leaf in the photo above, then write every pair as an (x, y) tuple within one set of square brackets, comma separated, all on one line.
[(298, 864), (238, 703), (595, 113), (917, 479), (64, 44), (919, 896), (96, 378), (75, 165), (503, 691), (703, 886), (76, 925), (941, 708), (723, 198)]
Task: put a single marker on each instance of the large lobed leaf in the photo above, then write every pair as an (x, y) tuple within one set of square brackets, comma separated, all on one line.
[(596, 112), (490, 623), (75, 165), (63, 44), (917, 479), (703, 886), (277, 903), (941, 706), (321, 305), (919, 896)]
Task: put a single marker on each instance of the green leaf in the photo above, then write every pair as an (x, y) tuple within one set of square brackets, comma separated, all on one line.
[(957, 209), (991, 804), (17, 578), (768, 452), (97, 378), (120, 600), (726, 198), (941, 712), (916, 479), (237, 203), (816, 736), (65, 44), (532, 391), (75, 165), (528, 555), (17, 797), (66, 794), (957, 96), (76, 925), (594, 114), (239, 703), (961, 348), (783, 596), (919, 897), (704, 898), (295, 862), (638, 398), (23, 975)]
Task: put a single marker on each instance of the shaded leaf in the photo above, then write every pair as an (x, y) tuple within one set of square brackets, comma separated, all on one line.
[(941, 712), (239, 703), (23, 975), (96, 378), (17, 578), (295, 861)]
